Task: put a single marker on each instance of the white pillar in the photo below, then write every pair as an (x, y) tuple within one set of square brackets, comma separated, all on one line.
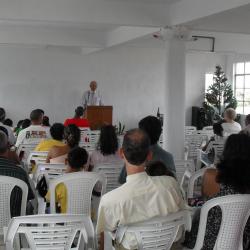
[(174, 119)]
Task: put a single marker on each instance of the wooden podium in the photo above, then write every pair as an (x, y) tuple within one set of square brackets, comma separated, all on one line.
[(99, 116)]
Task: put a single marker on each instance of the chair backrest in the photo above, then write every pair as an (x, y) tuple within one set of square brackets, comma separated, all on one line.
[(49, 170), (183, 165), (79, 188), (193, 178), (90, 140), (112, 172), (189, 130), (49, 232), (26, 149), (235, 213), (7, 185), (194, 142), (37, 157), (157, 233), (218, 147)]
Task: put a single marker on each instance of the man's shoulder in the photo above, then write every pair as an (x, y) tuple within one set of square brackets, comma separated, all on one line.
[(115, 196), (163, 152)]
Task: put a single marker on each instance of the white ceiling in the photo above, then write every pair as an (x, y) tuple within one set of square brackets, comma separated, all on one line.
[(90, 25), (233, 21)]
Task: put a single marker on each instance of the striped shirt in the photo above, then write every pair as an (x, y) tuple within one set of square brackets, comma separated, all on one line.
[(9, 168)]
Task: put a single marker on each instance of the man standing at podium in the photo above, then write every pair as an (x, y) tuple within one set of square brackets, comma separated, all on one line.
[(92, 97)]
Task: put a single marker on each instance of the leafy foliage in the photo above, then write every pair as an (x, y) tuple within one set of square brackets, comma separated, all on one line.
[(219, 97)]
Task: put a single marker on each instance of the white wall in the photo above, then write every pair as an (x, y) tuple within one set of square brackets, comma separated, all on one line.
[(197, 65), (131, 79)]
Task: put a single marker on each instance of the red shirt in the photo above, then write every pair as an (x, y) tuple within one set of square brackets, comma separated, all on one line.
[(79, 122)]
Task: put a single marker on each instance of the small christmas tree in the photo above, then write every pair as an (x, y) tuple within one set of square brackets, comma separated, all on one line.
[(219, 97)]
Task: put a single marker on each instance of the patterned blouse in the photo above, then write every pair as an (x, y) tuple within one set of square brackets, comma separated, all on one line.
[(213, 226)]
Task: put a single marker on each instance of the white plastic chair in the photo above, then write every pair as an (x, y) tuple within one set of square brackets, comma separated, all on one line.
[(193, 178), (193, 143), (79, 188), (7, 184), (183, 165), (91, 140), (26, 148), (49, 232), (49, 170), (189, 130), (112, 172), (157, 233), (37, 157), (235, 213)]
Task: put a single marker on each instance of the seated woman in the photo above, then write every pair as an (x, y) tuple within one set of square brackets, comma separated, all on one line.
[(56, 132), (58, 154), (233, 177), (77, 160), (230, 126), (107, 149), (78, 119)]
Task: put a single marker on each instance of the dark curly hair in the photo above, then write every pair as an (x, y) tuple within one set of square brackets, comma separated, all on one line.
[(234, 167), (72, 135), (152, 126), (108, 141)]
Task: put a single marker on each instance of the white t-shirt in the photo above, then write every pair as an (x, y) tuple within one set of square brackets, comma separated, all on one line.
[(231, 128), (32, 134)]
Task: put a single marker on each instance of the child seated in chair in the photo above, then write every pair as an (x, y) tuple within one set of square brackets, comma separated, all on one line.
[(77, 161)]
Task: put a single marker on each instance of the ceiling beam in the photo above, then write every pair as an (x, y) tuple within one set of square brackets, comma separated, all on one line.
[(184, 11), (125, 34)]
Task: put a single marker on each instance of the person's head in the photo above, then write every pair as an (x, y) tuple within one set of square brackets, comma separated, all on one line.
[(136, 149), (152, 126), (77, 159), (57, 131), (26, 123), (234, 167), (46, 121), (4, 144), (247, 120), (218, 129), (79, 111), (93, 85), (72, 135), (8, 122), (157, 168), (108, 141), (36, 117), (3, 129), (229, 115), (2, 114), (19, 124)]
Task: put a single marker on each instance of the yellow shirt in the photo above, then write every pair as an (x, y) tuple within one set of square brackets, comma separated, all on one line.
[(61, 197), (46, 145)]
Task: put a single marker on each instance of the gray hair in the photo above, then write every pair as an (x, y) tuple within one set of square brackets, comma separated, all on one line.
[(3, 142)]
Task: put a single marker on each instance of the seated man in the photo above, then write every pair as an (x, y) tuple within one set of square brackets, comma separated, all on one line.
[(77, 160), (11, 135), (35, 131), (152, 126), (56, 132), (230, 126), (78, 119), (142, 197), (9, 168)]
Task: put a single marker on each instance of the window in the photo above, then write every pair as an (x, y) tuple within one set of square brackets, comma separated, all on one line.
[(242, 86), (209, 80)]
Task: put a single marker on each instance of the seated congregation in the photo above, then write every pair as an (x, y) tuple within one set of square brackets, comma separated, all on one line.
[(126, 184)]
